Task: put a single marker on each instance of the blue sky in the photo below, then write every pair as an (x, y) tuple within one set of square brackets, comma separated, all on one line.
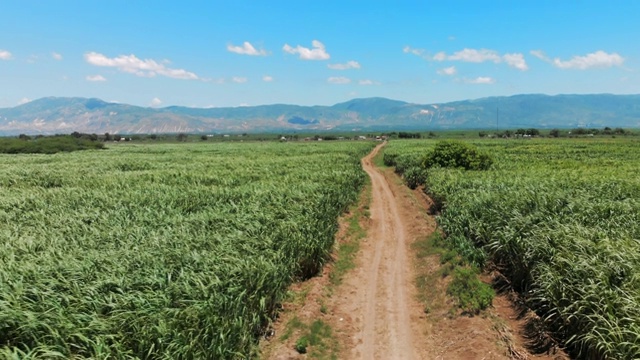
[(234, 53)]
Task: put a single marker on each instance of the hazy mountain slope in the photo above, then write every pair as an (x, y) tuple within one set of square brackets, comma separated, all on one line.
[(65, 115)]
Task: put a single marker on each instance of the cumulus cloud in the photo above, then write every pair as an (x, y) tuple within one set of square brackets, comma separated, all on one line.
[(598, 59), (56, 56), (346, 66), (368, 82), (515, 60), (338, 80), (317, 52), (24, 100), (246, 49), (144, 68), (267, 78), (95, 78), (239, 80), (476, 56), (441, 56), (155, 102), (481, 80), (448, 71), (5, 55)]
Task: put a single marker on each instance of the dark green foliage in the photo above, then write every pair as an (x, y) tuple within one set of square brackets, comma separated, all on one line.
[(389, 158), (47, 145), (301, 345), (415, 176), (471, 294), (456, 154), (407, 161), (532, 132), (408, 135)]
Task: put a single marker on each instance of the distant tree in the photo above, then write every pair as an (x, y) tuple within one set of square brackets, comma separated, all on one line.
[(554, 133), (182, 137), (204, 138), (532, 132), (482, 134), (24, 137), (117, 137), (152, 136), (107, 137)]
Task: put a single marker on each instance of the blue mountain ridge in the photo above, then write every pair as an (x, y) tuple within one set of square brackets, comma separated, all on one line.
[(64, 115)]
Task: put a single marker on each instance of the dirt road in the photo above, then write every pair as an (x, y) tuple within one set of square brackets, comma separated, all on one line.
[(382, 303), (376, 312)]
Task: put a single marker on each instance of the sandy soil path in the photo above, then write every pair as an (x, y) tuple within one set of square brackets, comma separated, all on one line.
[(382, 302)]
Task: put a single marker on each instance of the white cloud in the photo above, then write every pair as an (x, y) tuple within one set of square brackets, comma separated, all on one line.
[(144, 68), (24, 100), (95, 78), (318, 52), (5, 55), (593, 60), (338, 80), (246, 49), (441, 56), (239, 80), (539, 54), (473, 55), (267, 78), (410, 50), (480, 80), (155, 102), (516, 60), (346, 66), (448, 71), (56, 56), (368, 82)]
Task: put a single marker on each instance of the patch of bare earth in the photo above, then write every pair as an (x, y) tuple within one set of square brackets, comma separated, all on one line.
[(384, 308)]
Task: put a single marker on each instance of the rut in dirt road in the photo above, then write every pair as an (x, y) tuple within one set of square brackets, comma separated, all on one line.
[(383, 312)]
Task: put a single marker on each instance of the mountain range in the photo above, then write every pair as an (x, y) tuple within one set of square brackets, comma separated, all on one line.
[(56, 115)]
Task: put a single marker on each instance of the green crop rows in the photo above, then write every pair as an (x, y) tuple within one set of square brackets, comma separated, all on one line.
[(162, 251), (561, 218)]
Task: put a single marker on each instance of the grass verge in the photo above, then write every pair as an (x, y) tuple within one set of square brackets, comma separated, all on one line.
[(470, 294)]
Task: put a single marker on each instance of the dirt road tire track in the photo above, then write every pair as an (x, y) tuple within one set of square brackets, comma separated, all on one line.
[(382, 311)]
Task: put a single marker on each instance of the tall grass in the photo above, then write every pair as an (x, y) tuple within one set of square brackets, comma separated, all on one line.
[(162, 251), (561, 218)]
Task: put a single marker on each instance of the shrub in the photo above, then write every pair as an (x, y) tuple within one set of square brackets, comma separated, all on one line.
[(301, 345), (415, 176), (457, 154), (389, 159), (471, 294)]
